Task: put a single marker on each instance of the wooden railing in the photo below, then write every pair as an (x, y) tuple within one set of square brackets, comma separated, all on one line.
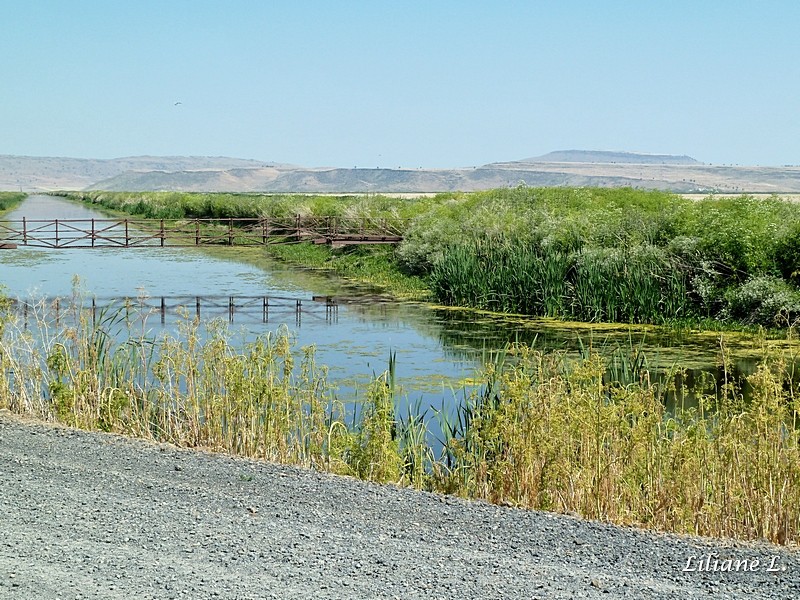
[(133, 233)]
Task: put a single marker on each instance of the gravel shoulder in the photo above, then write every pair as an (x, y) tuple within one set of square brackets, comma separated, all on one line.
[(89, 515)]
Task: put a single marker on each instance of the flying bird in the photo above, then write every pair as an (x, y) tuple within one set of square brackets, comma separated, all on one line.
[(176, 104)]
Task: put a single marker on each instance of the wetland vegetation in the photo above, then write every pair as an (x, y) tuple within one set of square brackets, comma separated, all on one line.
[(534, 429), (597, 435), (595, 255), (9, 200)]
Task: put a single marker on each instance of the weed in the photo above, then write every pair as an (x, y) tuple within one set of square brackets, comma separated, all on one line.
[(589, 435)]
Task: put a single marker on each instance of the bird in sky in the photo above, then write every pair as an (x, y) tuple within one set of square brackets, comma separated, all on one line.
[(176, 104)]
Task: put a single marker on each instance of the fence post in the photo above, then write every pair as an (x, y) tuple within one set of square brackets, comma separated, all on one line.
[(93, 234), (162, 233), (24, 231), (197, 232), (127, 239), (230, 231), (56, 245)]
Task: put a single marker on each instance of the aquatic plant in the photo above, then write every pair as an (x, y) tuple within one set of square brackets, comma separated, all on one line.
[(633, 256), (587, 253), (638, 285), (537, 429), (9, 200)]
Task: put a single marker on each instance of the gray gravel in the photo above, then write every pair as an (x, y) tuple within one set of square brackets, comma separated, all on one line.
[(86, 515)]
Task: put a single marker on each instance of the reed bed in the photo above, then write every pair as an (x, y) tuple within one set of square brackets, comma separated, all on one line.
[(9, 200), (623, 255), (590, 436), (639, 285), (180, 205)]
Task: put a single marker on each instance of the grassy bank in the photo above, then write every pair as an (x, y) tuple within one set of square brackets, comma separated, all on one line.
[(178, 205), (589, 436), (596, 255), (376, 266), (9, 200)]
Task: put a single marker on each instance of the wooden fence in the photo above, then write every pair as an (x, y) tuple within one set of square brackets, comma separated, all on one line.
[(135, 233)]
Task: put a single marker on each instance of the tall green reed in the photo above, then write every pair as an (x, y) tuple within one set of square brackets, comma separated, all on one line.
[(9, 200), (639, 285)]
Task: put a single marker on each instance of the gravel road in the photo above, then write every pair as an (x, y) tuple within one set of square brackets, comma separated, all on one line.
[(86, 515)]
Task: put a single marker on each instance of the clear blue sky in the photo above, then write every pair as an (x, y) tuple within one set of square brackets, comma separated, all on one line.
[(401, 83)]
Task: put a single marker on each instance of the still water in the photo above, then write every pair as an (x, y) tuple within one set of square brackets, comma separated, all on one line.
[(354, 340), (436, 349)]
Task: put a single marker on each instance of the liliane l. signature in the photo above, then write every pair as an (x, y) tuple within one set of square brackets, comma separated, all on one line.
[(714, 563)]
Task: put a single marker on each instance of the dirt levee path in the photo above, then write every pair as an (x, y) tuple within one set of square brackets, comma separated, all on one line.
[(86, 515)]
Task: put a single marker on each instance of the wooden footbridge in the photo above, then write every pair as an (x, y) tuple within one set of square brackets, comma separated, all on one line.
[(149, 233), (234, 309)]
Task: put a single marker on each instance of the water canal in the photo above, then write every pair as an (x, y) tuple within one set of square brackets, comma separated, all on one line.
[(436, 349)]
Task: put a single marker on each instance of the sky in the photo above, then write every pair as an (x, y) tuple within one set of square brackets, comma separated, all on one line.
[(378, 83)]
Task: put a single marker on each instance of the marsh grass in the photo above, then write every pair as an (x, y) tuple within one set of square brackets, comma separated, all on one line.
[(180, 205), (639, 285), (537, 430), (9, 200), (624, 255), (375, 266), (554, 435), (613, 255)]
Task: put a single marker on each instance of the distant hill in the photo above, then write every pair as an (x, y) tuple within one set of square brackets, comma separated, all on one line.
[(574, 168), (32, 173), (602, 156), (326, 180)]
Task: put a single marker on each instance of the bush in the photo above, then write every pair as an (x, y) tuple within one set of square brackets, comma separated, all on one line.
[(738, 234), (586, 253), (787, 254), (764, 300)]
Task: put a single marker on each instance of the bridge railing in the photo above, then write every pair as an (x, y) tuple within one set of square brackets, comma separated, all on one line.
[(127, 233)]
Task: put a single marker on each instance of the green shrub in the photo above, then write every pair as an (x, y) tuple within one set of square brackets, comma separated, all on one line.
[(582, 253), (764, 300), (787, 254)]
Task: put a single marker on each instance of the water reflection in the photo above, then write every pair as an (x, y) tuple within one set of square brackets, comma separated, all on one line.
[(354, 339), (684, 365), (437, 349), (246, 310)]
